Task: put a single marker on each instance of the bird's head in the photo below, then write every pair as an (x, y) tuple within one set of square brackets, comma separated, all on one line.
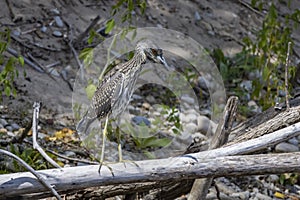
[(152, 52)]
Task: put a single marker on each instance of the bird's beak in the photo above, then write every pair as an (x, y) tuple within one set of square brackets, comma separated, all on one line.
[(163, 61)]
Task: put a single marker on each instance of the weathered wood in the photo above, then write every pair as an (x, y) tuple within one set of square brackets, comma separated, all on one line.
[(190, 166), (259, 126), (201, 186), (260, 121), (183, 168)]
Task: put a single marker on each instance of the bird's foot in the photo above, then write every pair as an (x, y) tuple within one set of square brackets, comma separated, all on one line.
[(110, 169), (128, 161)]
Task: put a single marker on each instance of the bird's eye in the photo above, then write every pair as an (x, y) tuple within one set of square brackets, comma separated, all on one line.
[(154, 51)]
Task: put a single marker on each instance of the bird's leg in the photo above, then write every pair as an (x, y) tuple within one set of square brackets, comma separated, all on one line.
[(103, 143), (119, 145), (120, 149)]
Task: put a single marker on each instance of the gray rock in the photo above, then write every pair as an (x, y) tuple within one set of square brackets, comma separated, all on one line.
[(286, 147), (58, 21), (190, 118), (293, 141), (139, 120), (3, 122), (55, 11), (212, 33), (247, 85), (16, 32), (146, 105), (57, 34), (9, 128), (273, 178), (1, 126), (203, 124), (44, 29), (260, 196), (70, 153), (190, 128), (197, 16), (150, 99), (132, 110), (202, 83), (137, 97), (15, 127), (188, 99), (254, 107)]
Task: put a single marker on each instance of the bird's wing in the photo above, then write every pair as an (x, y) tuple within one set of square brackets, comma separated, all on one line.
[(105, 93)]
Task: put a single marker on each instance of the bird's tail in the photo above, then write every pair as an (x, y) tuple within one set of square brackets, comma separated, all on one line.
[(85, 122)]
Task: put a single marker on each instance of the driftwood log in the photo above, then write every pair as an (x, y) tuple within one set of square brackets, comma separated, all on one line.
[(216, 163), (177, 172)]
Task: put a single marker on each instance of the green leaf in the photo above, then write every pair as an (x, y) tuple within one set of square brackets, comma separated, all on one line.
[(156, 142), (87, 55), (21, 60), (130, 5), (90, 91), (109, 25), (7, 91)]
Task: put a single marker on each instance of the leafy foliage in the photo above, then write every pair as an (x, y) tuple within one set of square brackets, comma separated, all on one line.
[(265, 57), (270, 51), (7, 65)]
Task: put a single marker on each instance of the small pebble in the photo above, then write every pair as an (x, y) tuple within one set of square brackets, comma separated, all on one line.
[(159, 26), (203, 124), (212, 33), (150, 99), (146, 105), (286, 147), (293, 141), (55, 11), (188, 99), (15, 127), (137, 97), (273, 178), (69, 153), (58, 21), (202, 83), (3, 122), (190, 128), (3, 130), (9, 128), (139, 120), (57, 34), (44, 29), (197, 16), (132, 110), (16, 33)]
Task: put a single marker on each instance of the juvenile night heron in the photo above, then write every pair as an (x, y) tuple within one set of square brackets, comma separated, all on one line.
[(114, 91)]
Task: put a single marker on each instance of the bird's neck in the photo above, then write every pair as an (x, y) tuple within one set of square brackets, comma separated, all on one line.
[(135, 64)]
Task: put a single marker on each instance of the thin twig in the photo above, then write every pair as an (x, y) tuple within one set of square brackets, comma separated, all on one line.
[(26, 60), (286, 76), (75, 54), (87, 31), (40, 65), (30, 169), (108, 57), (53, 64), (73, 159), (36, 110), (251, 8)]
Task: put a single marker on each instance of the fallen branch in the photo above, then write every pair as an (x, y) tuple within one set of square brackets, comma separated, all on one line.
[(36, 111), (201, 186), (180, 168), (40, 178), (212, 163)]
